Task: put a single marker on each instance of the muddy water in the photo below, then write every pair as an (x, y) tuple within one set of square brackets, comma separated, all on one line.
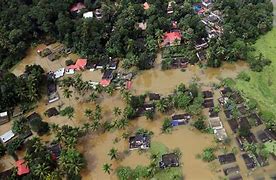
[(164, 81), (95, 147)]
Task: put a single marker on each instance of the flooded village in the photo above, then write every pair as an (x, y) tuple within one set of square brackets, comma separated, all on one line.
[(177, 120)]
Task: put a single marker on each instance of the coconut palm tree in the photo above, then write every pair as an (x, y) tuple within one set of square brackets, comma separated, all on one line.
[(71, 162), (98, 113), (162, 105), (86, 127), (126, 95), (88, 113), (67, 93), (41, 170), (113, 153), (122, 123), (95, 125), (117, 111), (93, 97), (107, 168)]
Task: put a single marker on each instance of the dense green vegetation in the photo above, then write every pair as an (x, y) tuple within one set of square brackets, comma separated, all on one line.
[(262, 85), (244, 22), (108, 36), (23, 90)]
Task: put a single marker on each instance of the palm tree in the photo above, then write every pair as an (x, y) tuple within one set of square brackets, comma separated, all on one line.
[(126, 95), (93, 97), (98, 113), (107, 168), (162, 105), (113, 153), (159, 33), (88, 113), (117, 111), (95, 125), (67, 93), (86, 127), (71, 162), (54, 127), (41, 170), (122, 123)]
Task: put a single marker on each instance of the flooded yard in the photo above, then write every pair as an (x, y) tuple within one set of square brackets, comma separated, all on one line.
[(95, 147)]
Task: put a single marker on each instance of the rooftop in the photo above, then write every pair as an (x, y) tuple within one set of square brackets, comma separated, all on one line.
[(139, 141), (170, 38), (169, 160), (22, 168), (207, 94), (227, 158)]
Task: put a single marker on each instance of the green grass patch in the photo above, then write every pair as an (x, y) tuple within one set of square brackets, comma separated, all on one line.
[(158, 149), (271, 147), (171, 173), (262, 85)]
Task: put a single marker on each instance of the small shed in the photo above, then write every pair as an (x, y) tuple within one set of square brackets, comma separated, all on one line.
[(154, 97), (208, 103), (51, 112), (207, 94)]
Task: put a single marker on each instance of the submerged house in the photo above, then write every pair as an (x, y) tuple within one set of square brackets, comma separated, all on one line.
[(249, 161), (113, 64), (208, 103), (171, 39), (154, 97), (231, 170), (207, 94), (169, 160), (180, 119), (4, 117), (227, 158), (139, 141)]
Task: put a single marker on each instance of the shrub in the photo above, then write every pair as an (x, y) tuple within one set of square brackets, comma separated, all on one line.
[(69, 62), (38, 126), (124, 173), (208, 155), (200, 124), (244, 132), (14, 145), (244, 76), (167, 126)]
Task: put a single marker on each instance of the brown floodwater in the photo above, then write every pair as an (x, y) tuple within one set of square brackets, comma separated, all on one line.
[(163, 82), (95, 147)]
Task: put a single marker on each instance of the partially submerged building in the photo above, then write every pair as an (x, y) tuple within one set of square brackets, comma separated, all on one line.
[(51, 112), (107, 78), (169, 160), (249, 161), (180, 119), (139, 141), (227, 158), (171, 39)]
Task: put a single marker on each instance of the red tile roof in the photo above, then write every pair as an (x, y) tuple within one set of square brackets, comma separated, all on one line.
[(146, 5), (80, 64), (169, 38), (105, 82), (21, 167), (77, 6)]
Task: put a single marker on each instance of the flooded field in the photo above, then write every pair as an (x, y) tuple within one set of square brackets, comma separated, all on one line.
[(163, 82), (95, 147)]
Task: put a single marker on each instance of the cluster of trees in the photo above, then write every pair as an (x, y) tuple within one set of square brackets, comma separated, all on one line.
[(188, 99), (244, 22), (22, 90)]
